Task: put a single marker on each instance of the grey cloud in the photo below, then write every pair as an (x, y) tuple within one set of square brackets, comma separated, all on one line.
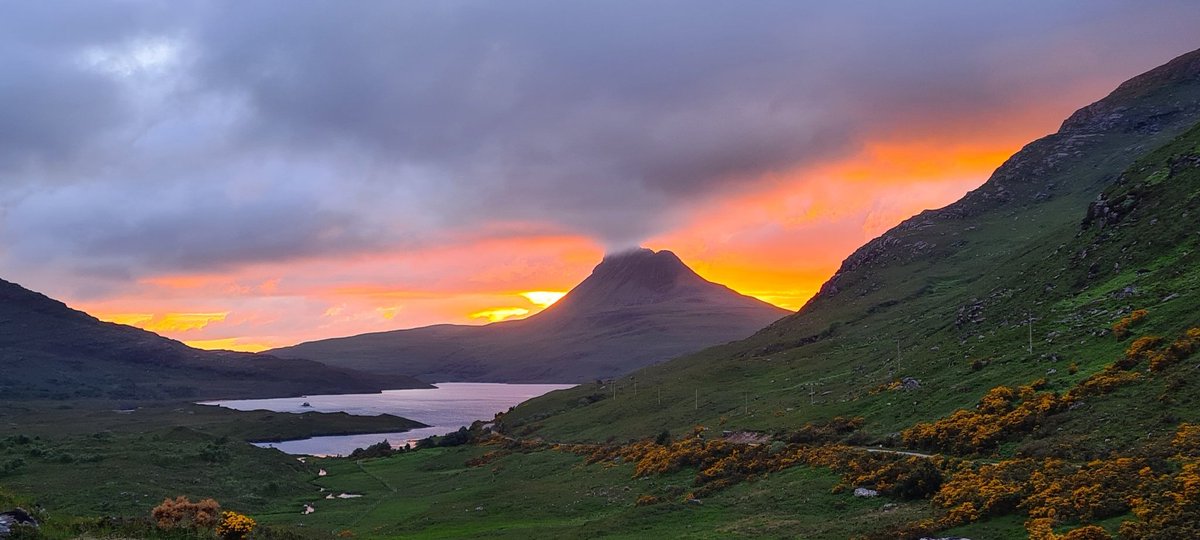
[(292, 129), (170, 229)]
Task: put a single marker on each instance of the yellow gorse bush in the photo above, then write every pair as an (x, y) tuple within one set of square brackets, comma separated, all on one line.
[(235, 526), (1120, 329)]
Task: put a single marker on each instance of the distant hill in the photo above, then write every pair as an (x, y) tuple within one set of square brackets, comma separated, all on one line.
[(635, 309), (1068, 237), (50, 351)]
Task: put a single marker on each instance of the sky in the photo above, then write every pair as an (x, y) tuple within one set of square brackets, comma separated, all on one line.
[(254, 174)]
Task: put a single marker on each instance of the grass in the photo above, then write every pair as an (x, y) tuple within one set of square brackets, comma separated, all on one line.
[(944, 299), (960, 321), (86, 461), (550, 494)]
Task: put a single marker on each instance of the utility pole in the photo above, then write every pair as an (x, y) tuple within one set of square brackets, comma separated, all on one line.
[(1029, 319), (697, 399), (660, 396), (635, 388), (897, 357)]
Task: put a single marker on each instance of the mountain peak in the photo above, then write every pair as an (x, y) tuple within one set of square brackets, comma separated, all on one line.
[(1143, 104), (637, 307), (652, 270), (640, 277)]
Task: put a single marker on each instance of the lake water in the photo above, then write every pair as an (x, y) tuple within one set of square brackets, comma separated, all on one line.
[(445, 408)]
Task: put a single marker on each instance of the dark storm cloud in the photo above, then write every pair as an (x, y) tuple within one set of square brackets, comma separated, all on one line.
[(167, 136)]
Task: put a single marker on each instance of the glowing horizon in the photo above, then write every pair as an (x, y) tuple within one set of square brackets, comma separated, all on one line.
[(198, 172), (788, 203)]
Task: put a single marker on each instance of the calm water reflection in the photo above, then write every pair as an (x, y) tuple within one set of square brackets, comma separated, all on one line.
[(444, 409)]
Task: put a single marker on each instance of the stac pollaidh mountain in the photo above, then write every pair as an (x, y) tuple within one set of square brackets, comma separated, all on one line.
[(1023, 363), (635, 309), (1021, 279), (1026, 357), (50, 351)]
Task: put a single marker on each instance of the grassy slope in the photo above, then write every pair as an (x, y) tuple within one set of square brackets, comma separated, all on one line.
[(89, 461), (951, 287), (1058, 268), (1014, 247), (548, 494)]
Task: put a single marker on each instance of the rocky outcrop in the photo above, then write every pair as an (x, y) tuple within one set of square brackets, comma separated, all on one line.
[(15, 518), (1154, 106)]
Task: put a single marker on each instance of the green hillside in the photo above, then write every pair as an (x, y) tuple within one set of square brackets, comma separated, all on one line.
[(1024, 355), (1068, 236), (1023, 363)]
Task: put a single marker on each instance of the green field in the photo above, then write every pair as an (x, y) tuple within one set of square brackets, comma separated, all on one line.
[(1024, 280), (551, 494)]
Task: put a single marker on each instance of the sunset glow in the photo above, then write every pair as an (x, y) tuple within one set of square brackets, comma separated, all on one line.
[(165, 323), (278, 180), (543, 299), (500, 314), (819, 213), (230, 344)]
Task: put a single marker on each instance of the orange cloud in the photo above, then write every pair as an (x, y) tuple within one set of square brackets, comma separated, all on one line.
[(500, 314), (230, 344), (129, 319), (166, 323), (778, 241), (781, 242), (388, 313)]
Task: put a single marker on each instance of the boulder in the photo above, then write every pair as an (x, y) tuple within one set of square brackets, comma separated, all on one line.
[(14, 518)]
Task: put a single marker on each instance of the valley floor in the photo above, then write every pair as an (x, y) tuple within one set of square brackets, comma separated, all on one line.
[(434, 493)]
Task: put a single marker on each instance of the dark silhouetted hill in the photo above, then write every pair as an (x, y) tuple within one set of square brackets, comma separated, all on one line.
[(635, 309), (50, 351)]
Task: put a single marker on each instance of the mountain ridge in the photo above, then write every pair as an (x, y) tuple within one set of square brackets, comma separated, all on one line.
[(49, 350), (635, 308), (1003, 287)]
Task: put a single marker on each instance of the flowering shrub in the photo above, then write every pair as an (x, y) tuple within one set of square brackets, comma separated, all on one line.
[(1168, 507), (1139, 350), (1001, 414), (989, 490), (1042, 529), (1049, 491), (1121, 328), (907, 477), (1099, 489), (235, 526), (1178, 350), (183, 513), (647, 500), (1102, 383), (1004, 412), (486, 458), (1187, 439), (886, 387)]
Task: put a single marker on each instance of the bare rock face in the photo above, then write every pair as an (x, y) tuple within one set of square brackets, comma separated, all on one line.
[(15, 518)]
